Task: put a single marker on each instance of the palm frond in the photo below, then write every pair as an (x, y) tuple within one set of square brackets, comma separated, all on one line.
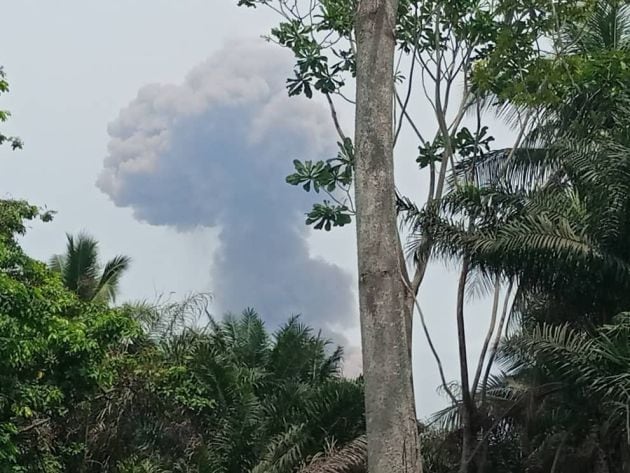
[(351, 458), (81, 272), (284, 453), (448, 418), (107, 286), (57, 263), (81, 268)]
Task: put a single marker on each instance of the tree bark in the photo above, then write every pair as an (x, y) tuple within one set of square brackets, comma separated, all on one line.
[(384, 302)]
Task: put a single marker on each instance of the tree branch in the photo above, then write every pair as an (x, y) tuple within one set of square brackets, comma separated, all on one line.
[(34, 425), (495, 344), (333, 113), (486, 342), (425, 329)]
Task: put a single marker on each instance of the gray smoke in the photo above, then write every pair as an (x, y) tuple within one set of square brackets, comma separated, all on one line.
[(214, 151)]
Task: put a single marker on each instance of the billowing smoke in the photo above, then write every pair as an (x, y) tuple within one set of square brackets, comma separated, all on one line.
[(214, 152)]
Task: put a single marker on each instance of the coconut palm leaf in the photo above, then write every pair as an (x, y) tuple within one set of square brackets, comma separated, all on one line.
[(81, 271), (107, 286)]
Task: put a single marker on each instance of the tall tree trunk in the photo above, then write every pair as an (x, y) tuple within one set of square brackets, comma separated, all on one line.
[(467, 401), (392, 434)]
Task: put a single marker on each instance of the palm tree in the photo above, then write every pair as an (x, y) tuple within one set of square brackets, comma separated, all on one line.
[(229, 397), (82, 273), (568, 390), (553, 216), (553, 213), (283, 395)]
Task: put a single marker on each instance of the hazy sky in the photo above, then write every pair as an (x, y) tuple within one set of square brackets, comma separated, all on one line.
[(162, 128)]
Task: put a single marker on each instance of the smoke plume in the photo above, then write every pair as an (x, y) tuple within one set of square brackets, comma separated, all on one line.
[(214, 152)]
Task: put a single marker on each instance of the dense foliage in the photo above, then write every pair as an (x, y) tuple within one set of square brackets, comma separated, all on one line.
[(552, 217), (86, 387), (89, 386), (53, 351), (226, 398)]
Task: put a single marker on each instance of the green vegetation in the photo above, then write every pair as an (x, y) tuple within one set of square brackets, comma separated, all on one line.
[(13, 141), (543, 226), (86, 387), (54, 352), (81, 272)]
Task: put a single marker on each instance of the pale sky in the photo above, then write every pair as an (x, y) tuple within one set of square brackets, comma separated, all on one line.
[(74, 65)]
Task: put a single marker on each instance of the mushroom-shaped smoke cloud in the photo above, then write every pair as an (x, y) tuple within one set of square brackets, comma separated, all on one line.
[(213, 152)]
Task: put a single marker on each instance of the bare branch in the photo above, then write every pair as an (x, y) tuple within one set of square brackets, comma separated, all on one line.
[(461, 330), (486, 342), (34, 425), (341, 94), (335, 200), (425, 329), (403, 105), (431, 181), (409, 90), (333, 113), (497, 340), (411, 121)]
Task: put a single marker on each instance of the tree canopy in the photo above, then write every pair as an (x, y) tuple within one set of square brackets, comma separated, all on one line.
[(53, 350), (81, 271)]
